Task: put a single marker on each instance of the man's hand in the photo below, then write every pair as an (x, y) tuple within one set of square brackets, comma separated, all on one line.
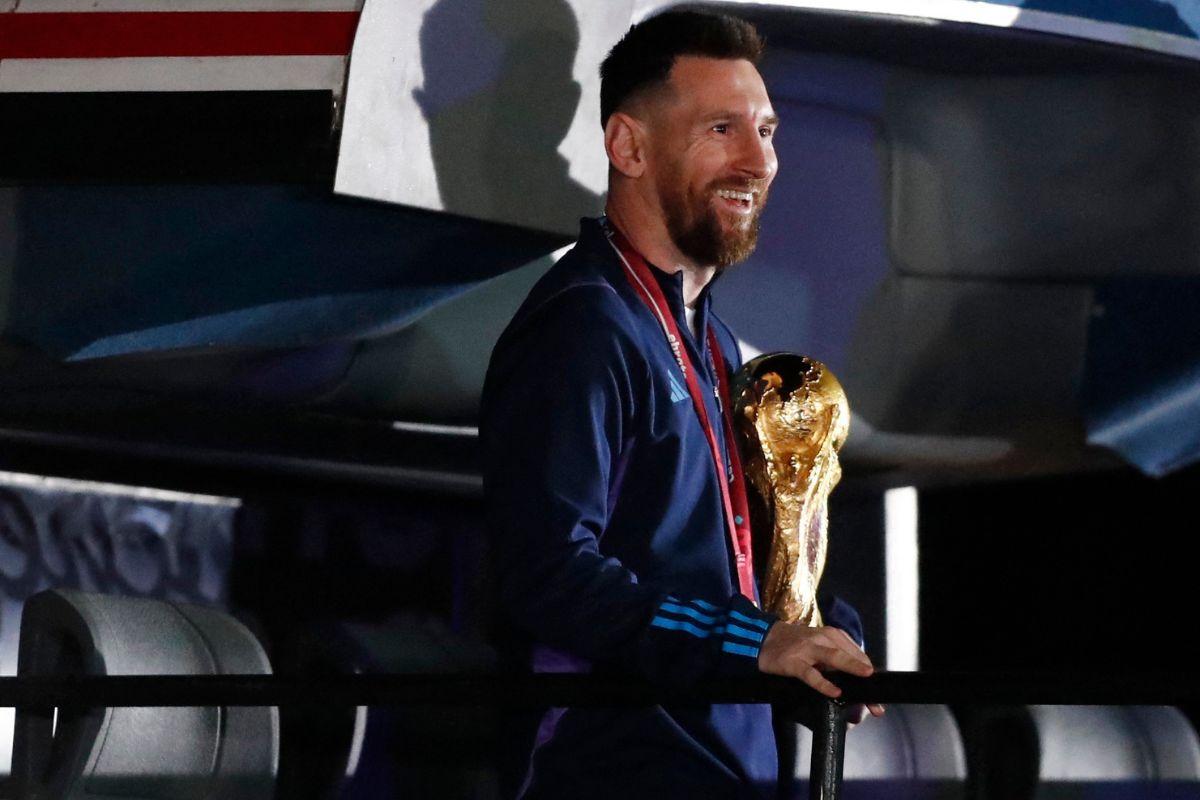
[(798, 651)]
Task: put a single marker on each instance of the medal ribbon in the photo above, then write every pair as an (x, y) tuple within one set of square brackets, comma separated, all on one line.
[(732, 481)]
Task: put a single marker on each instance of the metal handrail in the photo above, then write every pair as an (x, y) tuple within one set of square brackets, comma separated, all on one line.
[(826, 717), (591, 690)]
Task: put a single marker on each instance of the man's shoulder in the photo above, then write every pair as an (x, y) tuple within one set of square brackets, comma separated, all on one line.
[(574, 320), (577, 291)]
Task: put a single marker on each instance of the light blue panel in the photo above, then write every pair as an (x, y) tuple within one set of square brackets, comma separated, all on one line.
[(1179, 17)]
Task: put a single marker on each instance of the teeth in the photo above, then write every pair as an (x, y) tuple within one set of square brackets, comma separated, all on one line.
[(732, 195)]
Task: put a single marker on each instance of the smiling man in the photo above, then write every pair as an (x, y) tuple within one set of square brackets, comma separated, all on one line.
[(690, 163), (614, 491)]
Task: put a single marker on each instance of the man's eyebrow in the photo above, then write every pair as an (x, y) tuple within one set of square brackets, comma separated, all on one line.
[(770, 119)]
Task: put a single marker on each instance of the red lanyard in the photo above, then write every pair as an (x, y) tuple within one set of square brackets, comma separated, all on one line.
[(733, 489)]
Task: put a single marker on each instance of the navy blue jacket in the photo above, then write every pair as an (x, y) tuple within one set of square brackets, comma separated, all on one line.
[(610, 545)]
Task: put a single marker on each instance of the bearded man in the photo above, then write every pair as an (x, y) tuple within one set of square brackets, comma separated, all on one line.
[(613, 488)]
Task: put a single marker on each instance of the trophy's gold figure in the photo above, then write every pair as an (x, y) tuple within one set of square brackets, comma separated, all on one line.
[(792, 417)]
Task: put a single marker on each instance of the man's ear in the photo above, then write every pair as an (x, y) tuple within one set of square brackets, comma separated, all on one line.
[(625, 142)]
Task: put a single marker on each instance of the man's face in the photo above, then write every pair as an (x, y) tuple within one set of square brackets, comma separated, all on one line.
[(714, 158)]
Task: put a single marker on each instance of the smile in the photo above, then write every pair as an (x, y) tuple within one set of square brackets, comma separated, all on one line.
[(741, 202)]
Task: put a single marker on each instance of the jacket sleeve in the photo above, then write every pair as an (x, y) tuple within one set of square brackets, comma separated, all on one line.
[(837, 613), (556, 413)]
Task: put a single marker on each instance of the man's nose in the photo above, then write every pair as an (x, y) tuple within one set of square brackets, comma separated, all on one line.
[(756, 157)]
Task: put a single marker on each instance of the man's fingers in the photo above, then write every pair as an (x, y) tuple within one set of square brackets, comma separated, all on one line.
[(841, 635), (855, 714), (805, 653), (848, 644), (816, 680), (836, 658)]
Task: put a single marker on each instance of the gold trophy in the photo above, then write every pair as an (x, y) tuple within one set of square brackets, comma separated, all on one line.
[(792, 418)]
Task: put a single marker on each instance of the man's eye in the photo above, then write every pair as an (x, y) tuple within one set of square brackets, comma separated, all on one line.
[(720, 128), (766, 132)]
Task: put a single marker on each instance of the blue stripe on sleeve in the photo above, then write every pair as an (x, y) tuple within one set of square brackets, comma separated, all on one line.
[(704, 605), (689, 612), (740, 649), (758, 623), (753, 636), (679, 625)]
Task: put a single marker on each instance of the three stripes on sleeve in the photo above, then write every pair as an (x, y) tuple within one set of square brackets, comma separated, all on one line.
[(739, 632)]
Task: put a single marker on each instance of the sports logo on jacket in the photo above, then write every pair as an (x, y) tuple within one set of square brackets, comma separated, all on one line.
[(678, 393)]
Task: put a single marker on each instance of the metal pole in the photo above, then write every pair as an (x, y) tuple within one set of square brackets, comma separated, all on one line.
[(828, 752)]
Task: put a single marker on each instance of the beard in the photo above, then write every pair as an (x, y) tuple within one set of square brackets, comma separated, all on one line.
[(694, 225)]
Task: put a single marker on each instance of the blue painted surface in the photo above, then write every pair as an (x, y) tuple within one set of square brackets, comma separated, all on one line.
[(108, 270), (1141, 389), (1179, 17), (292, 323)]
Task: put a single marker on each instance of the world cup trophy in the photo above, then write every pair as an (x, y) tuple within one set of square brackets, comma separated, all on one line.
[(792, 418)]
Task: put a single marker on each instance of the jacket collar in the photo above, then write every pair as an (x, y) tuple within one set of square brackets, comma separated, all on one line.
[(592, 235)]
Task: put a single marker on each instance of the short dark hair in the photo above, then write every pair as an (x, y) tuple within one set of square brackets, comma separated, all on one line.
[(644, 56)]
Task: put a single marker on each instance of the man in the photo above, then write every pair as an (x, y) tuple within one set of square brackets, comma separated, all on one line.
[(612, 489)]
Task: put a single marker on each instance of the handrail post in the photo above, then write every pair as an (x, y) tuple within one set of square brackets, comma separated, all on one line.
[(828, 752)]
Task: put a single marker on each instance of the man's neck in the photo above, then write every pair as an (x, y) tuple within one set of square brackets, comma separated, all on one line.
[(646, 230)]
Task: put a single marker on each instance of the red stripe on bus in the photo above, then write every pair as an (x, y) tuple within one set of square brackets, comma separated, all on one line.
[(151, 34)]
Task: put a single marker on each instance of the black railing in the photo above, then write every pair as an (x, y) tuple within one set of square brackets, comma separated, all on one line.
[(827, 718)]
